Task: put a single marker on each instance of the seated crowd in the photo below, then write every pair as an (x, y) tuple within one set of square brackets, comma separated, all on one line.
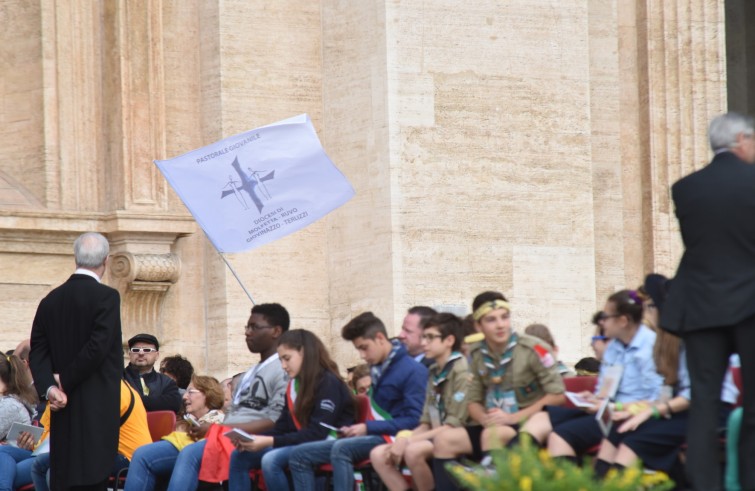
[(443, 390)]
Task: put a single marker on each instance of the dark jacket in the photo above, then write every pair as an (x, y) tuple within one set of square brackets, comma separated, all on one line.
[(400, 392), (163, 391), (334, 405), (77, 334), (715, 283)]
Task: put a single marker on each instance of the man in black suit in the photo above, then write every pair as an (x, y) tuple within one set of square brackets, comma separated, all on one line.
[(76, 360), (411, 332), (711, 303)]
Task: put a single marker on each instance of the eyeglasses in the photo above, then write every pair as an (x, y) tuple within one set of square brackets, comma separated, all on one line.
[(256, 327), (143, 350), (193, 391), (598, 338), (603, 316), (430, 337)]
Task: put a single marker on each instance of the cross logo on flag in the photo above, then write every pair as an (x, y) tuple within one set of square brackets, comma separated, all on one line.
[(258, 186)]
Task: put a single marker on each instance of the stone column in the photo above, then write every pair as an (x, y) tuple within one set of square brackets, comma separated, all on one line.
[(681, 45)]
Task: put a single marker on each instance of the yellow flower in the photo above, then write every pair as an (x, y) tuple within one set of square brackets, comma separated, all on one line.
[(470, 479), (630, 475), (544, 456), (525, 483), (515, 463), (654, 478)]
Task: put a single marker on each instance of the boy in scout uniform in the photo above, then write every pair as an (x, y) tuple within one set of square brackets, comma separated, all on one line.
[(445, 407), (512, 377)]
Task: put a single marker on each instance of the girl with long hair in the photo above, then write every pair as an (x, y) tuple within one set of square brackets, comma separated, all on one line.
[(316, 396), (17, 396)]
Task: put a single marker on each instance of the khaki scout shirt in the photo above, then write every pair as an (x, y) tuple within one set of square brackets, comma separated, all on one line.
[(453, 394), (529, 374)]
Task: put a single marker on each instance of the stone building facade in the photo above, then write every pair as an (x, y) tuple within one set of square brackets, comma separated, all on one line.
[(522, 146)]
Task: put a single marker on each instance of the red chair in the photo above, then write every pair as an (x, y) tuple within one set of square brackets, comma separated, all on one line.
[(363, 413), (160, 423), (258, 480), (579, 384), (363, 408)]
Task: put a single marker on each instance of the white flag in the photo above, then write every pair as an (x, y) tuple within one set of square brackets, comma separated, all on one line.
[(256, 187)]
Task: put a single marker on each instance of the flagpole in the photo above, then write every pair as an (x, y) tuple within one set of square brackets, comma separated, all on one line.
[(237, 277)]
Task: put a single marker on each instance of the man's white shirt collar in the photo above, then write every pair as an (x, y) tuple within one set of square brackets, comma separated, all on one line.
[(88, 272)]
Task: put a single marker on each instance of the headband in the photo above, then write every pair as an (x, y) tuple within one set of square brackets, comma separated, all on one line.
[(488, 307)]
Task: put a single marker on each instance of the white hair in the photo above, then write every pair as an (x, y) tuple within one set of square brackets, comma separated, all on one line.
[(724, 129), (90, 250)]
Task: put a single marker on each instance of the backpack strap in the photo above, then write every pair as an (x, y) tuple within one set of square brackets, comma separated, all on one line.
[(125, 416)]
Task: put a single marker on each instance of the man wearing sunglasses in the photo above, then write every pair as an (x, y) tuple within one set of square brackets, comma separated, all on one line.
[(159, 392)]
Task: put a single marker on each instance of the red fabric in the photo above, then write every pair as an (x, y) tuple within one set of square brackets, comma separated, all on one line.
[(217, 455), (545, 356)]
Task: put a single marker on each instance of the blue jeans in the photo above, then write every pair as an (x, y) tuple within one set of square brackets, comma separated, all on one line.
[(273, 463), (186, 472), (15, 467), (148, 463), (342, 454), (40, 472), (241, 464), (160, 459)]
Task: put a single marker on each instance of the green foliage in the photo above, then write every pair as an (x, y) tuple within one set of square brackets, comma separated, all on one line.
[(525, 468)]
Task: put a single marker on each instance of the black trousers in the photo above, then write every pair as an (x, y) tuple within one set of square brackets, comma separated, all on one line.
[(708, 352)]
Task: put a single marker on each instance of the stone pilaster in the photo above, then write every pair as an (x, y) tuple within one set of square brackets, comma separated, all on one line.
[(682, 43), (135, 104)]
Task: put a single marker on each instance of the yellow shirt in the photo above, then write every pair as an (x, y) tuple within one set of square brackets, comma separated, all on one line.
[(135, 431), (44, 421)]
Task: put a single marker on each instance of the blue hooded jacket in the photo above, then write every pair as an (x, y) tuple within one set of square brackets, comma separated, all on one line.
[(400, 391)]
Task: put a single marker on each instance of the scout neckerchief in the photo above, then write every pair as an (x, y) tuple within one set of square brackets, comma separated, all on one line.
[(376, 371), (437, 381), (504, 399)]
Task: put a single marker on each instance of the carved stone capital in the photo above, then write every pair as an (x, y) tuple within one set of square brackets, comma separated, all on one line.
[(128, 267), (143, 281)]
